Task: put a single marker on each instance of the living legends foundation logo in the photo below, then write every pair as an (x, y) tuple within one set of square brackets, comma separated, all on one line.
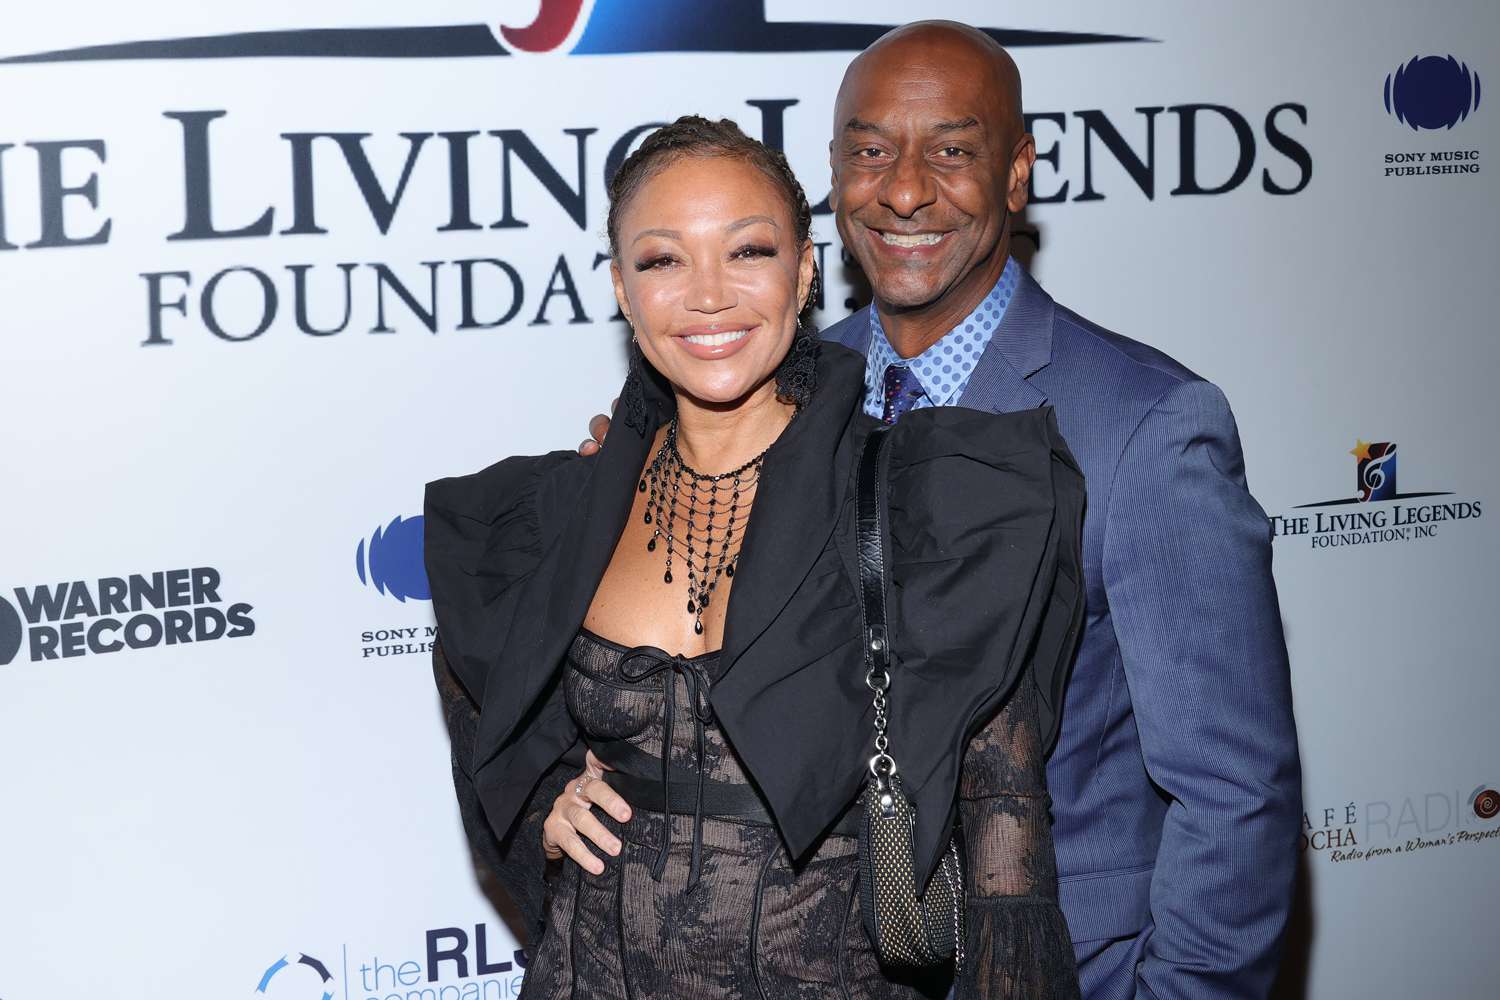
[(391, 562), (1429, 94), (1377, 512), (52, 621), (536, 191)]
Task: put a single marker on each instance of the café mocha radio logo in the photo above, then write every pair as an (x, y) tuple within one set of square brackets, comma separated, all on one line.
[(1377, 512), (52, 621)]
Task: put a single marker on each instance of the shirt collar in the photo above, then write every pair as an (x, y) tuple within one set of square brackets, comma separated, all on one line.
[(944, 368)]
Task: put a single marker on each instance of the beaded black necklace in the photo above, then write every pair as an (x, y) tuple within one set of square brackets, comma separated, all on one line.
[(674, 484)]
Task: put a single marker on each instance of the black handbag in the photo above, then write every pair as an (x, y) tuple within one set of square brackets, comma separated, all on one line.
[(908, 927)]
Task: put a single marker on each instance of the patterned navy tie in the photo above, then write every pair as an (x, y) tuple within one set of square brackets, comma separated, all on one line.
[(902, 391)]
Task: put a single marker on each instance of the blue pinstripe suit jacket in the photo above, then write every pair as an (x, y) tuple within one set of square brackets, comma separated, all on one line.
[(1176, 782)]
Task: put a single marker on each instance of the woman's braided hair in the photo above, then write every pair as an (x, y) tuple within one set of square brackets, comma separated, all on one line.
[(695, 136)]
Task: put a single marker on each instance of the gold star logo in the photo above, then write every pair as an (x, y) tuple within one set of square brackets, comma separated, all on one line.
[(1361, 450)]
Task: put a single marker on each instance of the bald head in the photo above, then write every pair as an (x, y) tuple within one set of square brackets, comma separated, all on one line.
[(951, 48)]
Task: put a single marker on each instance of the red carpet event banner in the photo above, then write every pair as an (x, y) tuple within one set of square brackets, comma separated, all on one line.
[(267, 269)]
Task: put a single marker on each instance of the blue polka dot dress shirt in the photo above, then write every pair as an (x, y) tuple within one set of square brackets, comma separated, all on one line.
[(943, 369)]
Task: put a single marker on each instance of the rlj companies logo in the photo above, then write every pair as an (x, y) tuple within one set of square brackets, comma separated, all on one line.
[(1431, 93), (454, 965), (1377, 512), (52, 621), (1387, 828), (390, 561)]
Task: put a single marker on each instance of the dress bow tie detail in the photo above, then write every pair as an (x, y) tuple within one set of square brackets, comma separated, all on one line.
[(642, 663)]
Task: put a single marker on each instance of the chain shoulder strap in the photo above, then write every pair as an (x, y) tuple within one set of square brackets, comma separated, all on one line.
[(870, 531), (908, 926)]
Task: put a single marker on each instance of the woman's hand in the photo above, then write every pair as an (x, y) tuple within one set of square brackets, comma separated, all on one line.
[(572, 818)]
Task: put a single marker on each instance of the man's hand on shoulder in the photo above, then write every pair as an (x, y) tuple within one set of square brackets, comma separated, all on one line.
[(598, 427)]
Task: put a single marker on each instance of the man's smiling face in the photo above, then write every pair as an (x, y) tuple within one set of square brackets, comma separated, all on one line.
[(929, 157)]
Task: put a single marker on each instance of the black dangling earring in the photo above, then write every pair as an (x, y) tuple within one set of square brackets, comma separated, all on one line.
[(633, 395), (797, 375)]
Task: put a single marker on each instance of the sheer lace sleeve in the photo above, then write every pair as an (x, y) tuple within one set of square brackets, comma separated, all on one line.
[(1018, 944)]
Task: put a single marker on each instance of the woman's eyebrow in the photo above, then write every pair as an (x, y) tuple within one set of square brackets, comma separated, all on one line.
[(670, 234), (738, 224), (750, 220)]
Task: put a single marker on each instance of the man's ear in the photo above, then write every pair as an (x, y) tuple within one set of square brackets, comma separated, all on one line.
[(618, 281), (833, 179), (807, 266), (1021, 162)]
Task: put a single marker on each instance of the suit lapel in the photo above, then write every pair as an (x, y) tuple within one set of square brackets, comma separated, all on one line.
[(1020, 348), (852, 331)]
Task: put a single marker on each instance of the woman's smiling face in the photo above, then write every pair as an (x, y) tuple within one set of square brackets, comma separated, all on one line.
[(710, 275)]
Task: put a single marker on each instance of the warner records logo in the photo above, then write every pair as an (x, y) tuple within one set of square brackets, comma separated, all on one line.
[(392, 562), (52, 621), (1370, 515), (599, 27)]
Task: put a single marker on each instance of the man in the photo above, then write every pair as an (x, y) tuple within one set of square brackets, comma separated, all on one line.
[(1175, 781)]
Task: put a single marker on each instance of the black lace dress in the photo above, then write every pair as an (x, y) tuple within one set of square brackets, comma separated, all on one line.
[(707, 903), (752, 925)]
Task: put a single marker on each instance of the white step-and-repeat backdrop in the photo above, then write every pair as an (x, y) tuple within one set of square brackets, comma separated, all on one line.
[(267, 268)]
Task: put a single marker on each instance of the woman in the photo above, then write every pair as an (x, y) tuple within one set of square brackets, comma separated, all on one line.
[(718, 522)]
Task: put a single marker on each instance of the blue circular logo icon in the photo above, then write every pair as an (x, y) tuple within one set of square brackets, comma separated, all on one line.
[(392, 562), (306, 960), (1432, 92), (11, 632)]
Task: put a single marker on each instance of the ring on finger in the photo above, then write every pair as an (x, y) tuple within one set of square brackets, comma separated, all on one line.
[(580, 785)]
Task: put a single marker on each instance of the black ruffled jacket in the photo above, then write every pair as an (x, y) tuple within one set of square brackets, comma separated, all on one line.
[(986, 601)]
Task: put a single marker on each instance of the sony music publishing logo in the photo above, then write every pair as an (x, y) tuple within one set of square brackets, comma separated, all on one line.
[(51, 621), (390, 562), (1431, 93), (1377, 512)]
